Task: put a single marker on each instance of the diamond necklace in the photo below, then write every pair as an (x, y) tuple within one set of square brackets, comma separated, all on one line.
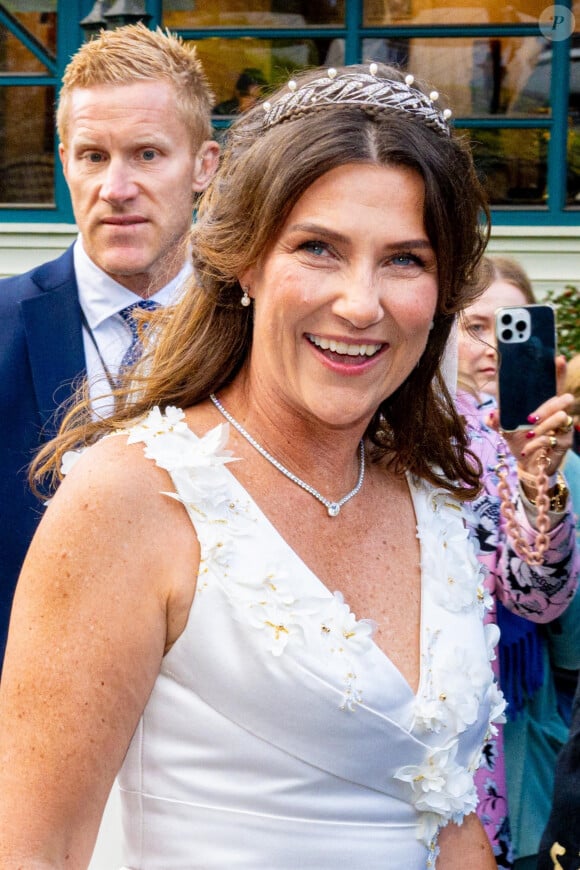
[(333, 507)]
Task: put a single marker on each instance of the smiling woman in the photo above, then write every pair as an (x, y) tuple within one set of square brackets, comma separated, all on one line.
[(349, 272), (287, 664)]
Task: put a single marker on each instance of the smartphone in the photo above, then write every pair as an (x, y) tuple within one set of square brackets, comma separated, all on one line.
[(526, 344)]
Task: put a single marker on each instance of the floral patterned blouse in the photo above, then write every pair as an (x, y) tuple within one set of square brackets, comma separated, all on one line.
[(539, 594)]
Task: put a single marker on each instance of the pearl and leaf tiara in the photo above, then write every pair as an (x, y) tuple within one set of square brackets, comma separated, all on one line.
[(362, 89)]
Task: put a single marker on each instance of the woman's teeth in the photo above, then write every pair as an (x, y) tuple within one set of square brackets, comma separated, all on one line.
[(343, 348)]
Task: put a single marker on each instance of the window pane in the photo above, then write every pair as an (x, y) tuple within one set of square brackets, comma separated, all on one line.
[(255, 13), (381, 12), (26, 116), (15, 57), (16, 6), (573, 189), (512, 165), (477, 76), (268, 62)]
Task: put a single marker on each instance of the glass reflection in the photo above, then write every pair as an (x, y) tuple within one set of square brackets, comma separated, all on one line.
[(26, 115), (41, 26), (573, 162), (255, 13), (478, 76), (381, 12), (573, 166), (15, 56), (512, 165), (254, 66)]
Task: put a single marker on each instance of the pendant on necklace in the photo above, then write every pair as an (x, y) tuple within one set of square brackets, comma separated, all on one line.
[(332, 507)]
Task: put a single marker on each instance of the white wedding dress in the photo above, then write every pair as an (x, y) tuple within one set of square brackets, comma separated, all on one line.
[(278, 736)]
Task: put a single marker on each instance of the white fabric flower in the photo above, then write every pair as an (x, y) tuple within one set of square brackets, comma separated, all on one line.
[(457, 685), (279, 623), (492, 634), (216, 545), (340, 631), (199, 456), (462, 679), (441, 787), (156, 423), (270, 605), (69, 460), (498, 707), (484, 598), (172, 446), (447, 556)]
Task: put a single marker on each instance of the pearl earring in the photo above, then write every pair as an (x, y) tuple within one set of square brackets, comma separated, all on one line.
[(245, 300)]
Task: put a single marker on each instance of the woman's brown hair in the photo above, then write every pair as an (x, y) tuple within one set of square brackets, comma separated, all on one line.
[(202, 344)]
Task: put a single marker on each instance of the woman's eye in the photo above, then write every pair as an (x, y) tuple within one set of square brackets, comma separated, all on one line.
[(316, 248), (406, 260)]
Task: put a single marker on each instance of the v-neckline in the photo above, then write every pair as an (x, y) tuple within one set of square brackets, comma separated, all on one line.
[(415, 495)]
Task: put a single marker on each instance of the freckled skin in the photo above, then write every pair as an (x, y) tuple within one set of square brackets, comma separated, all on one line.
[(465, 846)]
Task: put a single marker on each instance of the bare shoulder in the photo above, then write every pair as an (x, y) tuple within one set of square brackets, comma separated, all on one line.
[(114, 486), (112, 468), (110, 518)]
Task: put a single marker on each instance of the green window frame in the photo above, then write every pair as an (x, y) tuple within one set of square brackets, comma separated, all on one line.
[(553, 213), (69, 37)]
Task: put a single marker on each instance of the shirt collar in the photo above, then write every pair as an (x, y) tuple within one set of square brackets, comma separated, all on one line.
[(100, 296)]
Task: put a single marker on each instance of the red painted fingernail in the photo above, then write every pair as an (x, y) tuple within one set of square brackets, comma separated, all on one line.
[(523, 453), (530, 434), (533, 418), (492, 415)]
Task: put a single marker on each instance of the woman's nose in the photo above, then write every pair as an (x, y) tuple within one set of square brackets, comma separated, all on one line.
[(359, 303)]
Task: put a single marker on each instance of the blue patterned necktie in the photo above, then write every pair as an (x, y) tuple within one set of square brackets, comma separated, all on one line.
[(135, 349)]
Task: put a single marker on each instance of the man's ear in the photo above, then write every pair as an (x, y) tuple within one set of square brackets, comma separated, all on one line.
[(206, 164), (62, 155)]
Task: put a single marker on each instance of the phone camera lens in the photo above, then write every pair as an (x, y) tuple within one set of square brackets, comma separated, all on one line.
[(506, 318), (507, 335), (521, 326)]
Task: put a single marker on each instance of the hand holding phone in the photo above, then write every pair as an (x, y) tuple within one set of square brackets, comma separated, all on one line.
[(526, 345)]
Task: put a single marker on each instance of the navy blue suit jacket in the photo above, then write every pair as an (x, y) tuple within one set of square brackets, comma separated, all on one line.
[(41, 354)]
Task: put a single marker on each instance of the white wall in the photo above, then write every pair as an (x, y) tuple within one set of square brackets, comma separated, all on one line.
[(550, 255), (23, 246)]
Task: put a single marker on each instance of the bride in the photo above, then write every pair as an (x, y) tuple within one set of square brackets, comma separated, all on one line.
[(257, 604)]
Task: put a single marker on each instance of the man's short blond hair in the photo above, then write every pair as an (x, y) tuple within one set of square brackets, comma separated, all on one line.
[(134, 53)]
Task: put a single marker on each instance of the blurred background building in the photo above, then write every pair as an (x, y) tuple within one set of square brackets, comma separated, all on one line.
[(510, 72)]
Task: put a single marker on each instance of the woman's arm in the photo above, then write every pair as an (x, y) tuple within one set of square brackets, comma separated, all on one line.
[(465, 845), (540, 593), (89, 628)]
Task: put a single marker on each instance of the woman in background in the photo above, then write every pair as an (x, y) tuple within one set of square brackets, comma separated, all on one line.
[(528, 598)]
